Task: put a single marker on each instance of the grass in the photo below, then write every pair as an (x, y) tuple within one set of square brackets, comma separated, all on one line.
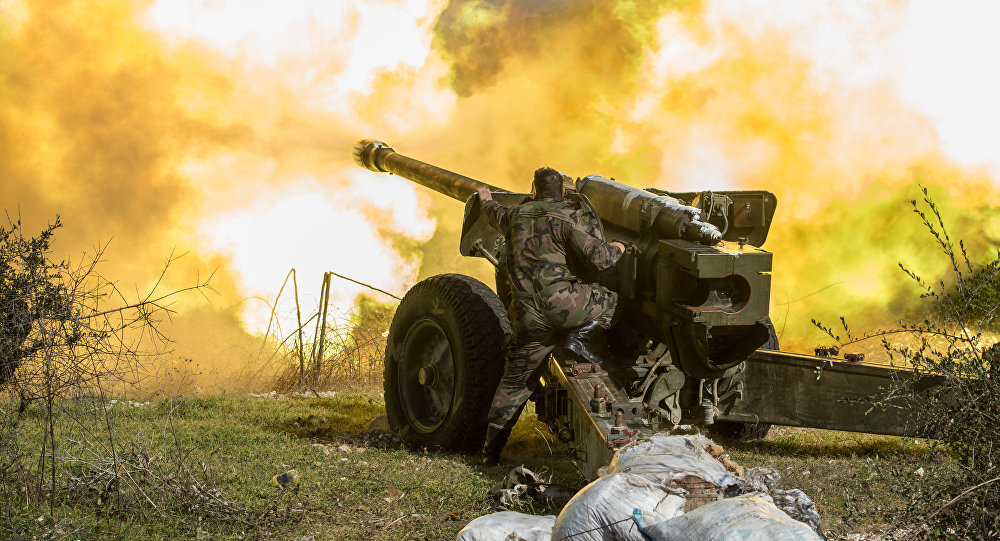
[(375, 489), (842, 472)]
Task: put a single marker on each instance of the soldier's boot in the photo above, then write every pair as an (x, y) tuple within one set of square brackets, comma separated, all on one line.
[(496, 439), (579, 343)]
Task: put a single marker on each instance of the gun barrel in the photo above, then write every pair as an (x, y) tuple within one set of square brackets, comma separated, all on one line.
[(381, 158), (634, 209)]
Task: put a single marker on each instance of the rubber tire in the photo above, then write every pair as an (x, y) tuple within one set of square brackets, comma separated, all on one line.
[(475, 325), (749, 431), (736, 430)]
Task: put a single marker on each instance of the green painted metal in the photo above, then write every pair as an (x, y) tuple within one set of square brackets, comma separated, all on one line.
[(695, 281), (790, 389)]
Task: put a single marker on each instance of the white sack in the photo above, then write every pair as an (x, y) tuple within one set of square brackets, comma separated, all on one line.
[(611, 499), (797, 505), (762, 479), (500, 526), (662, 459), (750, 517)]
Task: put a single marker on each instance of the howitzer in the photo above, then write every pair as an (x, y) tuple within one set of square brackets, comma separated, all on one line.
[(694, 343)]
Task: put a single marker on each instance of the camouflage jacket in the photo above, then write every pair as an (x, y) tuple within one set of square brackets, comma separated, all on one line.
[(541, 237)]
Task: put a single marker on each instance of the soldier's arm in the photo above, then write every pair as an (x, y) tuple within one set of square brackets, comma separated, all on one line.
[(496, 215), (591, 246)]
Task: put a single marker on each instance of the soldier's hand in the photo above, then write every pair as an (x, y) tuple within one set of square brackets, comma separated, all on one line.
[(619, 245), (484, 194)]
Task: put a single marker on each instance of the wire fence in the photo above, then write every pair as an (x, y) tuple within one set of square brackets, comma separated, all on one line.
[(334, 349)]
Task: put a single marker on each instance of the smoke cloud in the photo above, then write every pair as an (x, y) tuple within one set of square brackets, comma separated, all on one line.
[(223, 130), (716, 95), (165, 144)]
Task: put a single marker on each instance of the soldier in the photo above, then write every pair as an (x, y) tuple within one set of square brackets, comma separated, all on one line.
[(547, 297)]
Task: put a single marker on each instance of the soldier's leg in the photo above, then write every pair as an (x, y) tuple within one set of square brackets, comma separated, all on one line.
[(513, 391), (523, 361), (527, 347), (596, 303), (588, 310)]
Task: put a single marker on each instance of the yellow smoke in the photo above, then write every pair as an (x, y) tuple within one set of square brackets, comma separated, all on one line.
[(689, 96), (223, 129), (169, 144)]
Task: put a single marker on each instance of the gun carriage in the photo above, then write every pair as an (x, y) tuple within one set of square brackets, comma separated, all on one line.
[(694, 344)]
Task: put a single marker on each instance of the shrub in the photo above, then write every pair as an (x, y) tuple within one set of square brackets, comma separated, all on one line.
[(960, 412), (70, 345)]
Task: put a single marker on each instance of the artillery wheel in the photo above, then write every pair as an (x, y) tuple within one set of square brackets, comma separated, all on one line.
[(444, 359), (736, 430), (749, 431)]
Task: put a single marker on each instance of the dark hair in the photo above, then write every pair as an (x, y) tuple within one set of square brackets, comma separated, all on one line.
[(548, 183)]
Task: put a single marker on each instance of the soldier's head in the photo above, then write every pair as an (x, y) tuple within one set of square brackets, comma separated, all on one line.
[(548, 184)]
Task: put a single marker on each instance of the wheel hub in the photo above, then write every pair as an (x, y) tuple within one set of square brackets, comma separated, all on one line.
[(428, 376)]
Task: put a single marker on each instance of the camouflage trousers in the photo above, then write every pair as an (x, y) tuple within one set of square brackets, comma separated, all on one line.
[(536, 324)]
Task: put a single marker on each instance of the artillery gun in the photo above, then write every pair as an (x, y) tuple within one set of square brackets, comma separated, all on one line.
[(694, 344)]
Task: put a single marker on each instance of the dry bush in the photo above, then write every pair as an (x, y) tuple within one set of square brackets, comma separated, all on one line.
[(71, 345), (960, 415), (352, 353)]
